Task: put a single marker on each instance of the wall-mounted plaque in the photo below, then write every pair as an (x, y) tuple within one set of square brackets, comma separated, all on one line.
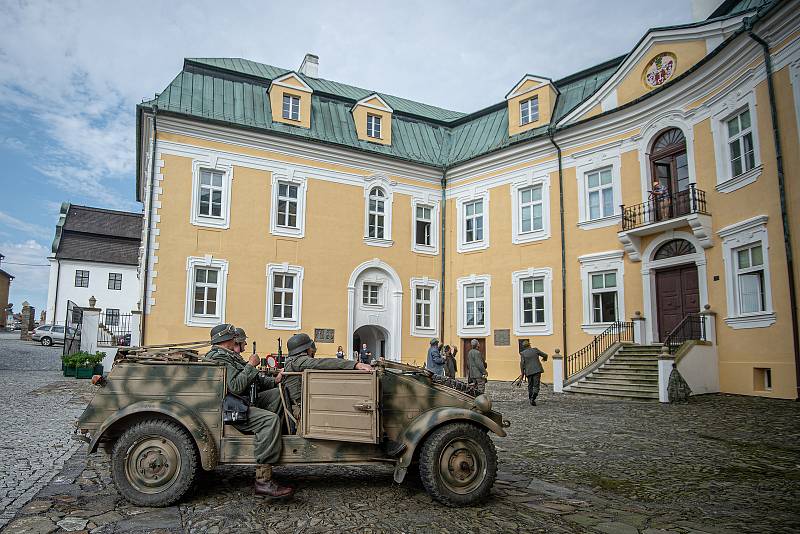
[(323, 335), (660, 70), (502, 338)]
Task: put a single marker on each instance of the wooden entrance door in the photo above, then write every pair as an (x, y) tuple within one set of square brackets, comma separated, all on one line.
[(677, 294), (670, 168), (465, 348)]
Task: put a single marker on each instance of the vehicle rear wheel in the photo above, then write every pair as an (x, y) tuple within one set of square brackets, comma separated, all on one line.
[(458, 464), (154, 463), (46, 341)]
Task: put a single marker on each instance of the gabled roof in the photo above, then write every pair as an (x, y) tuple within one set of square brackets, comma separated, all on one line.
[(539, 80), (98, 235), (281, 80), (374, 96)]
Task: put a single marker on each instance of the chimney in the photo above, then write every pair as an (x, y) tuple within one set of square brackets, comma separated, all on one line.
[(309, 66)]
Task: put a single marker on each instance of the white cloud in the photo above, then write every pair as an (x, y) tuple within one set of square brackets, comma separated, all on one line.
[(31, 230), (30, 282)]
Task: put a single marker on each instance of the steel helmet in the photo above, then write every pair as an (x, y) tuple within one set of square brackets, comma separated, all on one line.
[(241, 336), (223, 332), (299, 343)]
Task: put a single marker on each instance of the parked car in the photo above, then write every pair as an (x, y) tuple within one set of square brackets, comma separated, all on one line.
[(49, 334), (160, 416)]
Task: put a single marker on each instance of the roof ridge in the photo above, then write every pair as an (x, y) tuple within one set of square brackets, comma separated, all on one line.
[(107, 210)]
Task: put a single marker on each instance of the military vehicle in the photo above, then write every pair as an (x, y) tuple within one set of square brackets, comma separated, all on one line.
[(160, 416)]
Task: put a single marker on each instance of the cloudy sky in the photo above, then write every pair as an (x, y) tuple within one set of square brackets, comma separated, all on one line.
[(71, 74)]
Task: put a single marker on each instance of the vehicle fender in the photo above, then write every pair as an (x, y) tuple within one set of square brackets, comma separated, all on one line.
[(183, 415), (416, 431)]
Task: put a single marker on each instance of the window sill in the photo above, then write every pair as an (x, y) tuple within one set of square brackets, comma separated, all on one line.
[(737, 182), (285, 231), (276, 324), (375, 242), (472, 247), (595, 328), (760, 320), (424, 332), (533, 330), (474, 331), (530, 237), (203, 322), (210, 222), (424, 249), (603, 222)]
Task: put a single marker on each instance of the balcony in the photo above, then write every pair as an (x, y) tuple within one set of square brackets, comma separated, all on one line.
[(684, 208)]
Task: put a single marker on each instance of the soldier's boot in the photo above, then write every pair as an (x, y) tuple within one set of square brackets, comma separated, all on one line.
[(266, 486)]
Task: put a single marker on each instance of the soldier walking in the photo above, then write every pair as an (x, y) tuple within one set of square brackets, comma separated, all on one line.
[(265, 424), (477, 367), (532, 368)]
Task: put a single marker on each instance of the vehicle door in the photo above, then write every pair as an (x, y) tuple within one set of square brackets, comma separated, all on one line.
[(341, 406), (58, 333)]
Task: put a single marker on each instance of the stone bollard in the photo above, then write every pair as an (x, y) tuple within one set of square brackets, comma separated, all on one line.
[(638, 328), (89, 326), (665, 361), (709, 319), (136, 328), (27, 318), (558, 372)]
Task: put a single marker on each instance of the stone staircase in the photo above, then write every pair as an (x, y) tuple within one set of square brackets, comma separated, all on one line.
[(630, 373)]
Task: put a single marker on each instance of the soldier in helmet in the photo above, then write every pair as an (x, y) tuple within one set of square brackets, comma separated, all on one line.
[(435, 361), (477, 367), (265, 424), (268, 396), (301, 357), (532, 368)]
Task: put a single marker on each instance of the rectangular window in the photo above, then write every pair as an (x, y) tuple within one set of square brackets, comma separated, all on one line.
[(529, 110), (115, 281), (532, 295), (283, 290), (376, 216), (422, 306), (423, 225), (373, 125), (740, 142), (287, 205), (210, 194), (112, 317), (750, 279), (291, 107), (206, 286), (81, 278), (474, 305), (473, 221), (604, 297), (370, 293), (600, 192), (530, 208)]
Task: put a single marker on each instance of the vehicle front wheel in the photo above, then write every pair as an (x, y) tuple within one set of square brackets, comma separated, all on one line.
[(458, 464), (46, 341), (154, 463)]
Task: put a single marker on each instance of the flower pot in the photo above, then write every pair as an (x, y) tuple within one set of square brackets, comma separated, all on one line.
[(98, 369), (84, 372), (69, 370)]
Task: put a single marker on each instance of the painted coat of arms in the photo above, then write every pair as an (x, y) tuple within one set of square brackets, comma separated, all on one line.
[(660, 70)]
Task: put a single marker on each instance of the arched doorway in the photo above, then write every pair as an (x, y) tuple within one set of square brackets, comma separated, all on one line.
[(374, 337), (670, 168), (375, 309)]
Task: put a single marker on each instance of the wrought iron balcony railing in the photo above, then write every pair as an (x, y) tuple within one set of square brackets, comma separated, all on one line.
[(664, 207)]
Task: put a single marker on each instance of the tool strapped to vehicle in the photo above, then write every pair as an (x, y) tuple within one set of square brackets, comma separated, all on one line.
[(463, 387)]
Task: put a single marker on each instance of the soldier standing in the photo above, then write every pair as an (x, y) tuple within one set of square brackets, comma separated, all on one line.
[(265, 424), (450, 366), (435, 361), (532, 368), (477, 367)]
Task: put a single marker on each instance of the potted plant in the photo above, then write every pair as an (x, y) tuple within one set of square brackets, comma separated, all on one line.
[(85, 363), (68, 364), (98, 364)]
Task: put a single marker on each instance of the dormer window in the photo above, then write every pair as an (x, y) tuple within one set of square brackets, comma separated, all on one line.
[(529, 110), (373, 126), (291, 107)]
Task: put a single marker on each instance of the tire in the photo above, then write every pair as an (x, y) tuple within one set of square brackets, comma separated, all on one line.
[(458, 464), (154, 463), (46, 341)]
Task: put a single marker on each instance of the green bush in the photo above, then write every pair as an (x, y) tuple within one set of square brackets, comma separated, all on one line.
[(82, 359)]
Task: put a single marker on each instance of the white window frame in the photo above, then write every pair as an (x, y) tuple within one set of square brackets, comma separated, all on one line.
[(114, 280), (214, 164), (294, 107), (525, 105), (461, 284), (294, 178), (600, 189), (462, 246), (592, 165), (593, 264), (433, 204), (538, 329), (388, 189), (746, 233), (192, 263), (370, 289), (517, 186), (603, 290), (724, 110), (297, 309), (115, 316), (374, 125), (433, 285), (374, 278)]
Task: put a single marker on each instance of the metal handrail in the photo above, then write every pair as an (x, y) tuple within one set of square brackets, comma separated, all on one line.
[(664, 207), (616, 333), (691, 328)]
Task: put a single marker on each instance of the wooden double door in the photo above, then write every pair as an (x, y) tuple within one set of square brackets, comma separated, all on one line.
[(677, 294), (466, 346)]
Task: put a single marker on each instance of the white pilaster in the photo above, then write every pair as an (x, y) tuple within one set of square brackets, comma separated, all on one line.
[(558, 372), (665, 363), (136, 328), (710, 319), (91, 321), (639, 328)]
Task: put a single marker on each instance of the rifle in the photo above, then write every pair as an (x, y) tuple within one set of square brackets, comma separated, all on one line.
[(253, 385), (518, 382)]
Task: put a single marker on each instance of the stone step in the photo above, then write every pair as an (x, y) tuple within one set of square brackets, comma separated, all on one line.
[(635, 359), (630, 375), (630, 366), (617, 395), (634, 388), (639, 352), (611, 380)]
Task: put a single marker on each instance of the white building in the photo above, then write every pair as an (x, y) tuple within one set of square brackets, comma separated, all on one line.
[(95, 254)]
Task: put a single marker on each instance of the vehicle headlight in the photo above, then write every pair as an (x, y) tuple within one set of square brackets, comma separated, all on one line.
[(483, 403)]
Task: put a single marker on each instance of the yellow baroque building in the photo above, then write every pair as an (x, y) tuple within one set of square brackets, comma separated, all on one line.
[(625, 202)]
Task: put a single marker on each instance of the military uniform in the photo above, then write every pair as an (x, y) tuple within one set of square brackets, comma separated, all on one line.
[(532, 368), (299, 363), (435, 361), (262, 419), (450, 366), (477, 370)]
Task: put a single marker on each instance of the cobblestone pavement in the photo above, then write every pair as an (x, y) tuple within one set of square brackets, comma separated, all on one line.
[(35, 420), (718, 464)]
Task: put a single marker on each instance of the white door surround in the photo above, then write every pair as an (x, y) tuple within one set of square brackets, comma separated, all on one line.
[(386, 313)]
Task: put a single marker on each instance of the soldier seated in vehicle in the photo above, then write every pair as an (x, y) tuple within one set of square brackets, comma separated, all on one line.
[(301, 357), (264, 423), (268, 395)]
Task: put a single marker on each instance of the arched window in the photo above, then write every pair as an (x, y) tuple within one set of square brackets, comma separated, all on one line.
[(376, 215), (670, 165), (674, 247)]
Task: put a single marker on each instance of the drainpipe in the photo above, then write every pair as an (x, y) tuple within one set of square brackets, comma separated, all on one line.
[(551, 135), (787, 238), (442, 244), (149, 212)]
